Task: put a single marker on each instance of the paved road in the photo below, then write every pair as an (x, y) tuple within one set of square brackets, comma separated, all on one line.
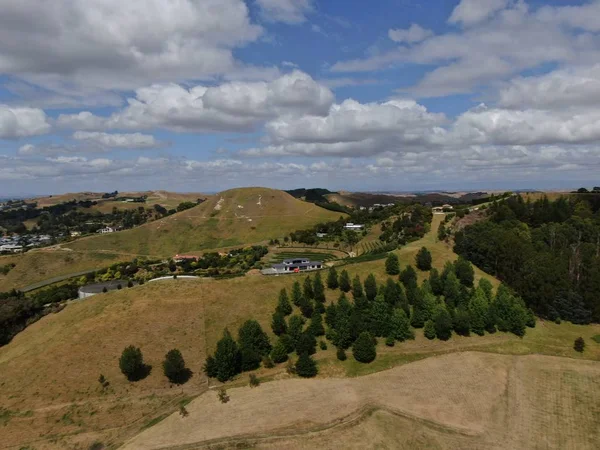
[(41, 284)]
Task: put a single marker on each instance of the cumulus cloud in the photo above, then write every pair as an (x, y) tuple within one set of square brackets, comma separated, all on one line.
[(415, 33), (469, 12), (514, 38), (287, 11), (233, 106), (119, 45), (131, 140), (18, 122)]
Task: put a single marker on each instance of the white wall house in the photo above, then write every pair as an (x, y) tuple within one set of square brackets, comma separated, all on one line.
[(354, 226), (106, 230)]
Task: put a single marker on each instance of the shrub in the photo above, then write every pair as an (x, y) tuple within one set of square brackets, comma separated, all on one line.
[(390, 341), (222, 395), (174, 367), (267, 362), (132, 364), (183, 412), (290, 367), (306, 367), (429, 330), (119, 287), (363, 349), (104, 290), (254, 381), (579, 345), (341, 354), (322, 345), (103, 382)]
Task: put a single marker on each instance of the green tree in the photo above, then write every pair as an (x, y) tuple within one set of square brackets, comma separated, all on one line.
[(363, 349), (252, 335), (296, 294), (478, 311), (306, 367), (174, 367), (295, 326), (370, 287), (579, 345), (429, 330), (210, 367), (393, 293), (283, 306), (306, 307), (400, 326), (316, 324), (306, 344), (392, 265), (132, 364), (345, 285), (308, 291), (357, 287), (510, 313), (443, 323), (486, 286), (423, 259), (318, 289), (228, 359), (341, 354), (278, 324), (379, 317), (279, 353), (288, 342), (332, 279), (464, 272), (408, 277), (452, 293), (462, 321), (437, 287)]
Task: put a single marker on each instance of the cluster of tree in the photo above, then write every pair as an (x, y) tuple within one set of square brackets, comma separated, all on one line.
[(443, 232), (17, 311), (548, 252), (318, 197), (132, 365), (595, 190), (413, 223), (238, 260), (107, 195)]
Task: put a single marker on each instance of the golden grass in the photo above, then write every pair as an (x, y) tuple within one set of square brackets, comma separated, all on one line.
[(236, 217)]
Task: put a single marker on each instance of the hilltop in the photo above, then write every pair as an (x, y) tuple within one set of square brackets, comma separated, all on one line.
[(235, 217)]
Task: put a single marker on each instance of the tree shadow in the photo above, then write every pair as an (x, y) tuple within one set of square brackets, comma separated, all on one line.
[(182, 377), (141, 373)]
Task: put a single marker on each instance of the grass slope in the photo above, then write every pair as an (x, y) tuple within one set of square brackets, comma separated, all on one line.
[(235, 217)]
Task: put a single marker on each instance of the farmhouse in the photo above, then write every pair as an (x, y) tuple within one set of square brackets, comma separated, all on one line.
[(182, 258), (438, 210), (10, 248), (293, 266), (353, 226), (106, 230)]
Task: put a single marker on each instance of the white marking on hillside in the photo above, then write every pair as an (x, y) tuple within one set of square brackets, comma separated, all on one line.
[(259, 203), (240, 206), (219, 204)]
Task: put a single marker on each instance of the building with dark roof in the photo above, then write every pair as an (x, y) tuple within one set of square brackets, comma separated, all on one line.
[(293, 266), (98, 288)]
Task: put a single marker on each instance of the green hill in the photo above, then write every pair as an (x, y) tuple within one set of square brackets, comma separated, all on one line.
[(231, 218)]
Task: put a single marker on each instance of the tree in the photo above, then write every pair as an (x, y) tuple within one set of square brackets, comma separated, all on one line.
[(283, 306), (486, 286), (452, 292), (296, 294), (437, 287), (478, 311), (345, 281), (341, 354), (429, 330), (443, 323), (252, 335), (306, 344), (464, 272), (228, 359), (306, 367), (132, 364), (174, 367), (423, 259), (509, 312), (308, 288), (288, 342), (306, 307), (279, 353), (316, 324), (579, 345), (408, 277), (370, 287), (278, 324), (462, 321), (295, 326), (318, 289), (332, 279), (393, 293), (363, 349), (392, 265), (379, 317), (357, 287), (210, 367), (400, 326)]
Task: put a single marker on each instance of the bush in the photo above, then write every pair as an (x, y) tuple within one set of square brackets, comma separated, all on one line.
[(322, 345), (132, 364), (254, 381), (363, 349), (341, 354), (306, 367), (429, 330), (579, 345), (174, 367), (103, 382), (222, 395), (390, 341), (267, 362)]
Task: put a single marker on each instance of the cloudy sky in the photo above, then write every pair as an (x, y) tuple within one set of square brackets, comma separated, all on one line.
[(204, 95)]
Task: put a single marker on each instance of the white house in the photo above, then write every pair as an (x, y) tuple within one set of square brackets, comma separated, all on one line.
[(106, 230), (353, 226), (10, 248)]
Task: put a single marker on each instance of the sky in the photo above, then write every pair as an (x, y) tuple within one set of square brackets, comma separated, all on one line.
[(387, 95)]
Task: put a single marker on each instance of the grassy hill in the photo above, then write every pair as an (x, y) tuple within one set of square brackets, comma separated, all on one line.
[(49, 372), (231, 218)]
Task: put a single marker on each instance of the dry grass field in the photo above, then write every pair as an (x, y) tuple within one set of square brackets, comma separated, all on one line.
[(463, 400), (235, 217)]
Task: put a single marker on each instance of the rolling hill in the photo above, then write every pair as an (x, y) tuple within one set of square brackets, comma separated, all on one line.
[(231, 218)]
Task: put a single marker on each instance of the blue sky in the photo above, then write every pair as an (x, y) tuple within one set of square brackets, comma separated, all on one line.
[(204, 95)]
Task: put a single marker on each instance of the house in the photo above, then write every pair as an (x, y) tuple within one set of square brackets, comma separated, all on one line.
[(11, 248), (354, 226), (438, 210), (107, 230), (321, 235), (448, 207), (75, 233), (293, 266), (182, 258)]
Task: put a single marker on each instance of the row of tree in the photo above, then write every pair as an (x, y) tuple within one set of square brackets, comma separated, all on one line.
[(132, 365)]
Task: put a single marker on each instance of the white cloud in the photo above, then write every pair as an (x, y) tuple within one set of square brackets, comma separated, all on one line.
[(111, 44), (415, 33), (234, 106), (131, 140), (287, 11), (18, 122), (469, 12)]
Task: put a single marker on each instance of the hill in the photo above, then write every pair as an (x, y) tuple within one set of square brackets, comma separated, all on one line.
[(231, 218)]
